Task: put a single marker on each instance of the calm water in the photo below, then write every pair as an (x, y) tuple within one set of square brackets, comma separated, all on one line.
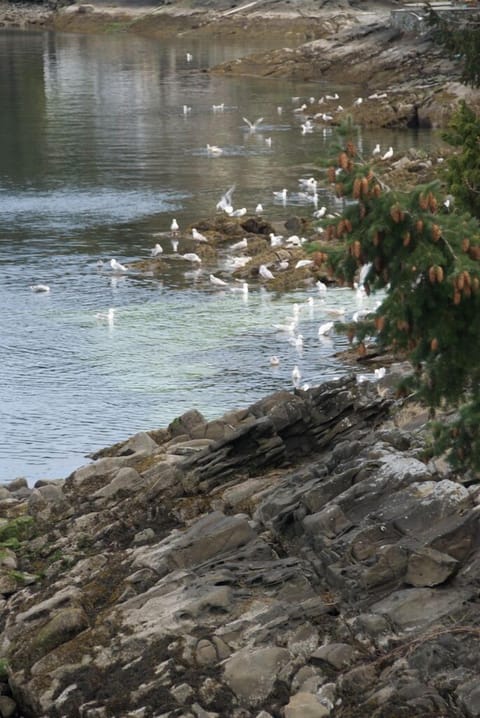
[(96, 157)]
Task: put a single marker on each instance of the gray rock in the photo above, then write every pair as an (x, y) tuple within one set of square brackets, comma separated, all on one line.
[(305, 705), (427, 567), (251, 673), (469, 695), (336, 655), (8, 707)]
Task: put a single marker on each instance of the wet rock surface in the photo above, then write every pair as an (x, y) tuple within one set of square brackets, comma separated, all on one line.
[(299, 557)]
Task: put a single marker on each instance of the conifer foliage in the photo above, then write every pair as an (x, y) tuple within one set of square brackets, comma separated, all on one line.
[(460, 36), (426, 258)]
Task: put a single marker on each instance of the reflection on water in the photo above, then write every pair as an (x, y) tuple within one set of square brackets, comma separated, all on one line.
[(97, 154)]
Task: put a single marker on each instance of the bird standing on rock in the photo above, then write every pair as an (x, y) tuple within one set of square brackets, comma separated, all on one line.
[(265, 272), (197, 236)]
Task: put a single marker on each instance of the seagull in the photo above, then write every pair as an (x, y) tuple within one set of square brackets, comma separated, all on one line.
[(282, 195), (197, 236), (268, 141), (239, 212), (240, 245), (243, 288), (217, 281), (225, 202), (325, 329), (358, 101), (287, 328), (302, 108), (321, 286), (274, 361), (174, 226), (294, 241), (332, 97), (275, 239), (307, 127), (296, 376), (388, 154), (39, 288), (174, 244), (259, 209), (297, 342), (191, 257), (156, 250), (376, 150), (252, 126), (319, 213), (116, 266), (303, 263), (189, 56), (186, 109), (309, 184), (214, 151), (108, 316), (265, 272), (218, 108), (380, 372)]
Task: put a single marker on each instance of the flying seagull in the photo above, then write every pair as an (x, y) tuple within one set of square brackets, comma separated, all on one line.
[(252, 126)]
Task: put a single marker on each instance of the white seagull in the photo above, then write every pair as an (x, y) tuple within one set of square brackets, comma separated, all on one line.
[(197, 236), (259, 209), (275, 239), (214, 151), (240, 245), (116, 266), (376, 150), (243, 288), (265, 272), (252, 126), (282, 195), (274, 360), (191, 257), (319, 213), (217, 281), (39, 288), (239, 212), (388, 154), (304, 263), (296, 376), (106, 316), (156, 250), (225, 201), (325, 329), (174, 226)]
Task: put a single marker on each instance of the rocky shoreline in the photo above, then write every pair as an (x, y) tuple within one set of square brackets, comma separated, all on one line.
[(339, 41), (299, 558)]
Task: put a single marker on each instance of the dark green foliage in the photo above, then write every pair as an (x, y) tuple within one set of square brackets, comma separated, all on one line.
[(427, 260), (460, 36), (463, 168)]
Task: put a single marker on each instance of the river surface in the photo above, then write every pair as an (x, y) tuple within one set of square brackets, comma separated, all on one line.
[(97, 155)]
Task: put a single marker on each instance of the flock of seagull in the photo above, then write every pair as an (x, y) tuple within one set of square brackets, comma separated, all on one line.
[(310, 113)]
